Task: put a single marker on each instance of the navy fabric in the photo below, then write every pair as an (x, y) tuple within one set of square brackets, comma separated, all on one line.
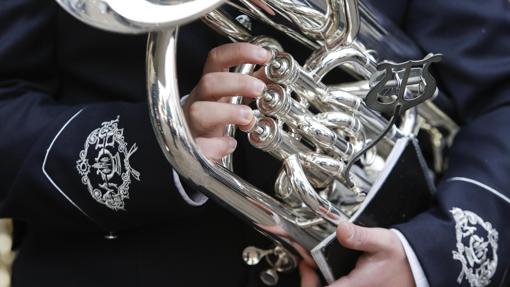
[(60, 79), (474, 37)]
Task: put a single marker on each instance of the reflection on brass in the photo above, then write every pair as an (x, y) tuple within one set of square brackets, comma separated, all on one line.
[(316, 129)]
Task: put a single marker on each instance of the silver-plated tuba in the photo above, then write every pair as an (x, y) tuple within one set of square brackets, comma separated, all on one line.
[(349, 149)]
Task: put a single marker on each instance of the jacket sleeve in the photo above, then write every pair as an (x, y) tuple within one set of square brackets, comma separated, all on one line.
[(464, 240), (81, 167)]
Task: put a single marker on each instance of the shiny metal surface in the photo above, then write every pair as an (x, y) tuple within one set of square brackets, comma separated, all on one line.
[(222, 24), (279, 260), (313, 128), (137, 16), (322, 207), (263, 211)]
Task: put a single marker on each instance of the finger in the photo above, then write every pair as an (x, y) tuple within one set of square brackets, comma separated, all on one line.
[(233, 54), (308, 276), (307, 258), (216, 148), (363, 238), (248, 128), (214, 86), (204, 117)]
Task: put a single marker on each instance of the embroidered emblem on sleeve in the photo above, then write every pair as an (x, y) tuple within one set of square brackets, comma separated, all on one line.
[(477, 246), (104, 165)]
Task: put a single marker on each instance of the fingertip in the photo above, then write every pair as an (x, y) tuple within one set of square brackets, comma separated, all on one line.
[(246, 115), (216, 148), (263, 55), (249, 127), (250, 87), (229, 146), (232, 144), (344, 232), (258, 86), (365, 239)]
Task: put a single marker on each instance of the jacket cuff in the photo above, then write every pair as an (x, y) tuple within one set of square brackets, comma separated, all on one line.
[(105, 163), (457, 243), (420, 280)]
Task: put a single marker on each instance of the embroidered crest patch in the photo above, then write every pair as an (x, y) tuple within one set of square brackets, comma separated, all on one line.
[(477, 246), (104, 165)]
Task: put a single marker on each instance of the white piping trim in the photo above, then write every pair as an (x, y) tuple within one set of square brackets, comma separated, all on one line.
[(46, 157), (477, 183)]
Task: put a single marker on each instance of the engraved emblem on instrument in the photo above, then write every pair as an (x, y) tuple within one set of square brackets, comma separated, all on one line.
[(104, 165), (391, 82), (477, 246), (391, 93)]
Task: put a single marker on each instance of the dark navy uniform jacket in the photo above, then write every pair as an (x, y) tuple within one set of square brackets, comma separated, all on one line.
[(79, 159)]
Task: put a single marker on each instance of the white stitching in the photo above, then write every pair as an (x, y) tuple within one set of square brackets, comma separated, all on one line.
[(108, 150), (477, 247)]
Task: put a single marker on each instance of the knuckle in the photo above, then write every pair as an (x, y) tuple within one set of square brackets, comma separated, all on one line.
[(195, 110), (206, 84)]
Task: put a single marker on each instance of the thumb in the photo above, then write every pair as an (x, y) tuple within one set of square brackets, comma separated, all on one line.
[(362, 238)]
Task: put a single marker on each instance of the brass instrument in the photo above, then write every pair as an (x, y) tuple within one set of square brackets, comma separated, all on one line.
[(344, 146)]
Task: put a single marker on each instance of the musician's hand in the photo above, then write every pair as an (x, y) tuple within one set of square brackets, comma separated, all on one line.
[(384, 262), (308, 276), (207, 109)]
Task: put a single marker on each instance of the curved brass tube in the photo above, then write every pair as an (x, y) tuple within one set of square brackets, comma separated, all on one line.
[(136, 16), (174, 137)]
